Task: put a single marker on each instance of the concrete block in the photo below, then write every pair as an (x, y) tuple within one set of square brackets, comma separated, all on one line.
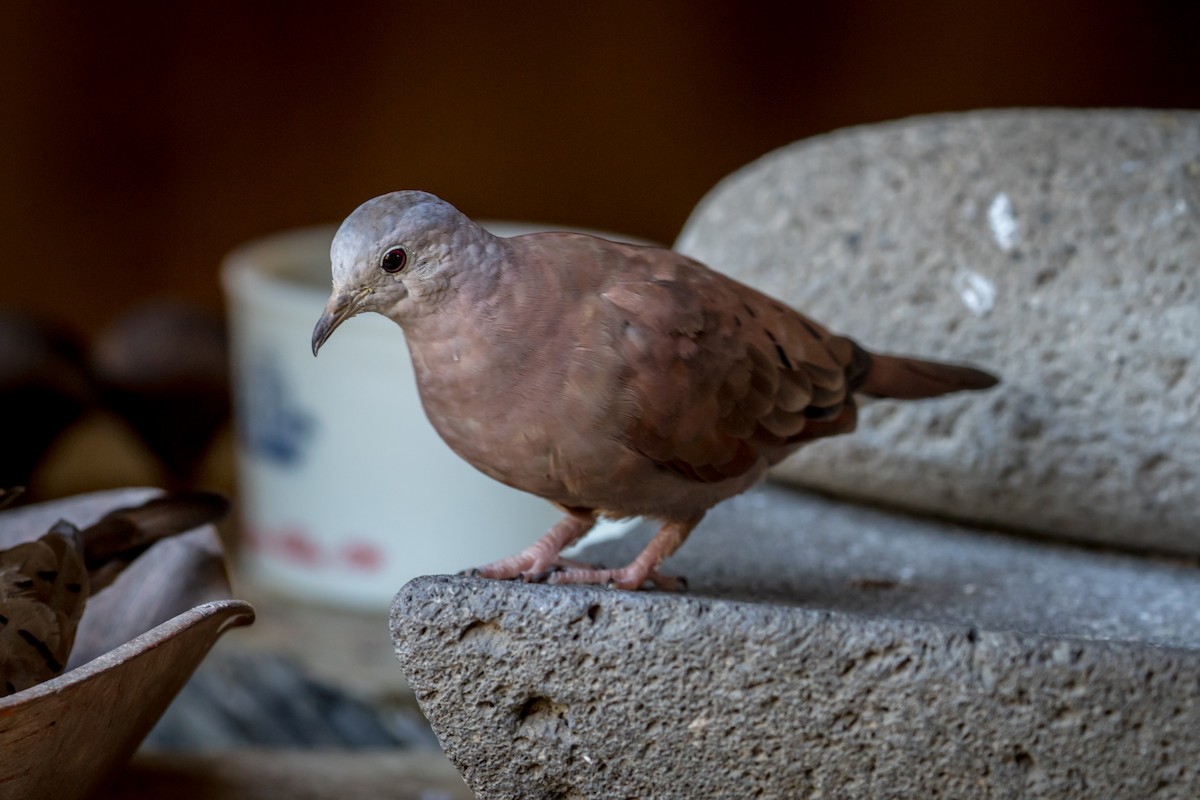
[(824, 650), (1057, 248)]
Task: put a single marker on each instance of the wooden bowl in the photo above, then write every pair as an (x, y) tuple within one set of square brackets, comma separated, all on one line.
[(138, 643)]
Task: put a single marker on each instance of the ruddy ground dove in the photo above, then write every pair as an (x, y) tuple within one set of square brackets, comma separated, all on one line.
[(45, 583), (607, 378)]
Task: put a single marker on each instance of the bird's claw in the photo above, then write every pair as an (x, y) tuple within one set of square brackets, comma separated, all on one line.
[(626, 578), (530, 569)]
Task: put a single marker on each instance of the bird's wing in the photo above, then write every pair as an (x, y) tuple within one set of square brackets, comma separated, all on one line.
[(722, 375), (43, 591), (45, 584)]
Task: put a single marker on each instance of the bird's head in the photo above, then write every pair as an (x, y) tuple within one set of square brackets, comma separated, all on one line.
[(399, 255)]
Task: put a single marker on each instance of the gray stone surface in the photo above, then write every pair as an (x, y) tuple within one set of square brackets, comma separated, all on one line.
[(825, 649), (1058, 248)]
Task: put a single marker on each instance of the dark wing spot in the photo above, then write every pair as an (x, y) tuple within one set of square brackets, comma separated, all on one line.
[(44, 651), (783, 359), (749, 310), (859, 367), (809, 327), (822, 412), (737, 320)]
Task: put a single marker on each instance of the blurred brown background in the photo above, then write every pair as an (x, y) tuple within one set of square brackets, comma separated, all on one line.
[(141, 141)]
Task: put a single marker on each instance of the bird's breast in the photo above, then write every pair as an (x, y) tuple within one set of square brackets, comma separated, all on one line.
[(525, 408)]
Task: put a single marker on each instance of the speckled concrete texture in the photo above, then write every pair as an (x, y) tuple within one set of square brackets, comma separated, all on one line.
[(824, 650), (1057, 248)]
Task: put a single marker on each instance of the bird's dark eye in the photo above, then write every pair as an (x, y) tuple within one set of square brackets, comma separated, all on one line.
[(394, 260)]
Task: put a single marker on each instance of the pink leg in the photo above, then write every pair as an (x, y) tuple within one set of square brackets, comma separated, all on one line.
[(534, 562), (641, 569)]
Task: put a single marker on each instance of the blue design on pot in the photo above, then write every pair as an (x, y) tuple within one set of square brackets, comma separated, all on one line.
[(273, 425)]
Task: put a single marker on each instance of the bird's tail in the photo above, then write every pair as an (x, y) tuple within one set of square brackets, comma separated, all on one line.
[(912, 379)]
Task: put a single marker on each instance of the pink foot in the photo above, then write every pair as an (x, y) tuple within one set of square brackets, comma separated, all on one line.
[(537, 561), (633, 576), (542, 561), (528, 569)]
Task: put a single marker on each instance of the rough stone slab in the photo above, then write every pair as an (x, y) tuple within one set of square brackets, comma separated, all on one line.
[(1058, 248), (824, 650)]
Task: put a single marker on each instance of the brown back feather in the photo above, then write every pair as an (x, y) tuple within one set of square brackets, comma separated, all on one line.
[(725, 378)]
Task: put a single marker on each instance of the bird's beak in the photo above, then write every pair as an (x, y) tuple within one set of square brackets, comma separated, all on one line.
[(341, 307)]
